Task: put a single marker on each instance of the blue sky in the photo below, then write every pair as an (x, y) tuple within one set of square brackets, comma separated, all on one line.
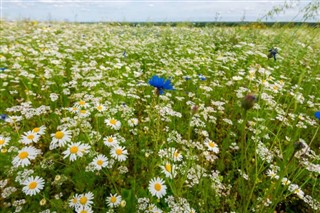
[(149, 11)]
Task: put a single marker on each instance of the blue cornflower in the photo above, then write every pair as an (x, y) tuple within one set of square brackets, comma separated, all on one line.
[(317, 115), (161, 84), (187, 78), (202, 77), (272, 53), (124, 54), (3, 68), (3, 117)]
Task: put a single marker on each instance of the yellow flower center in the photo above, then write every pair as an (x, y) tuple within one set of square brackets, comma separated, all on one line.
[(74, 149), (33, 185), (1, 141), (37, 129), (81, 103), (212, 144), (157, 186), (23, 155), (113, 199), (110, 140), (99, 107), (83, 111), (83, 200), (99, 162), (30, 137), (59, 135), (176, 154), (119, 151), (84, 211), (113, 121), (74, 108), (168, 167)]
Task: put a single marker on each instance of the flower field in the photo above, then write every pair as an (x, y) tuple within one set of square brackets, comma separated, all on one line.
[(118, 118)]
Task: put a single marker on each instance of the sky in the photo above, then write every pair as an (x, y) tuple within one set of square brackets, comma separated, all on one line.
[(149, 11)]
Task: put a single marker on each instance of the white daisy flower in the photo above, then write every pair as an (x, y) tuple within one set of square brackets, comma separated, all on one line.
[(4, 141), (169, 170), (110, 141), (100, 107), (82, 104), (100, 162), (74, 109), (86, 199), (176, 155), (39, 130), (84, 209), (60, 138), (76, 150), (212, 146), (113, 123), (33, 185), (74, 202), (84, 113), (119, 153), (29, 137), (133, 122), (113, 200), (157, 187), (25, 155)]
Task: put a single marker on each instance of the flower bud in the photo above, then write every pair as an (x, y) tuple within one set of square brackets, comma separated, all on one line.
[(248, 101)]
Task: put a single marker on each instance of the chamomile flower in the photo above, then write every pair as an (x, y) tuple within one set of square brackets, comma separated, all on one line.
[(157, 187), (84, 209), (74, 202), (74, 109), (82, 104), (212, 146), (113, 123), (86, 199), (84, 113), (76, 150), (33, 185), (25, 155), (110, 141), (133, 122), (119, 153), (176, 155), (113, 200), (169, 170), (100, 107), (4, 141), (60, 138), (39, 130), (30, 137), (100, 162)]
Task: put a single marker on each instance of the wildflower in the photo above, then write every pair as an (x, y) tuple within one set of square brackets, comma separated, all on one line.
[(119, 153), (110, 141), (76, 150), (60, 138), (248, 101), (84, 209), (212, 146), (84, 113), (169, 170), (82, 103), (30, 137), (3, 117), (85, 200), (4, 141), (74, 202), (39, 130), (123, 203), (176, 155), (100, 107), (317, 115), (160, 84), (114, 200), (272, 53), (43, 202), (113, 123), (285, 181), (25, 155), (202, 77), (157, 187), (133, 122), (33, 185), (100, 162)]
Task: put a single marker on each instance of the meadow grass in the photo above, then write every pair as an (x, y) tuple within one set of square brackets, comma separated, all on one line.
[(209, 152)]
